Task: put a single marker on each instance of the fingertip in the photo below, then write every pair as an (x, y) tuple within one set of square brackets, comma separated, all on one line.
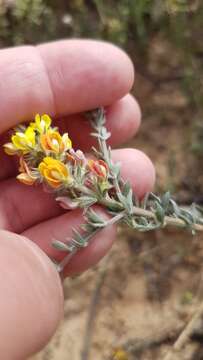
[(125, 67), (123, 119)]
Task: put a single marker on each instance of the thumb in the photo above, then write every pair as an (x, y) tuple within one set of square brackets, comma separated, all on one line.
[(31, 300)]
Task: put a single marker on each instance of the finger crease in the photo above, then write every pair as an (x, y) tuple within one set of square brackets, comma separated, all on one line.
[(46, 71)]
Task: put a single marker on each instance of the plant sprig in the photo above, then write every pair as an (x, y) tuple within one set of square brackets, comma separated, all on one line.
[(48, 157)]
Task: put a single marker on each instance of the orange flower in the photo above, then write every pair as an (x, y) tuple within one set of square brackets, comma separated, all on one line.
[(53, 141), (54, 172), (98, 167), (26, 177)]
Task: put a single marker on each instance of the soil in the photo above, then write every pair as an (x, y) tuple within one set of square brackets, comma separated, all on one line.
[(153, 281)]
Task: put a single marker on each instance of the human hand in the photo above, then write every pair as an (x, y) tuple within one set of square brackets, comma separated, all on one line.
[(61, 79)]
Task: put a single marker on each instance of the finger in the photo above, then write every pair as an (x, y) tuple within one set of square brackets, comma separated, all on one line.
[(61, 78), (60, 228), (22, 207), (123, 120), (28, 317)]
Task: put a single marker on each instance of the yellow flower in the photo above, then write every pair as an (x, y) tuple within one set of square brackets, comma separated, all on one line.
[(54, 172), (53, 141), (67, 142), (42, 123), (26, 176), (24, 141)]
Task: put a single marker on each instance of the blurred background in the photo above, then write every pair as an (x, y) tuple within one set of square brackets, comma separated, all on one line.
[(135, 302)]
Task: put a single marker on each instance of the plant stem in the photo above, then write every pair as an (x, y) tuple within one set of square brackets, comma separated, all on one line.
[(173, 221), (137, 211)]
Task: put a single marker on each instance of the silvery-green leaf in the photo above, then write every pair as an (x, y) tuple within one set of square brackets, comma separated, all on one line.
[(155, 197), (159, 212), (97, 225), (126, 188), (78, 238), (86, 201), (93, 217), (166, 200), (115, 168), (87, 227), (186, 217), (129, 199), (175, 207), (59, 245)]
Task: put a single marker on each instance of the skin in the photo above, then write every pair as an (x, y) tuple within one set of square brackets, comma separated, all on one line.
[(62, 79)]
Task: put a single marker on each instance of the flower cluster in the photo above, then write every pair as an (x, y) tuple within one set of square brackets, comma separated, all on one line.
[(48, 157)]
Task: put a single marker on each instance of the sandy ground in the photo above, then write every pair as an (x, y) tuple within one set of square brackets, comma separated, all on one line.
[(143, 296)]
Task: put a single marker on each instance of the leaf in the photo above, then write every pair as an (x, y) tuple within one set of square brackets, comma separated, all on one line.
[(155, 197), (86, 227), (78, 239), (166, 200), (159, 212), (187, 217), (94, 218), (104, 133), (59, 245), (175, 207), (126, 188), (86, 201), (115, 168), (129, 199)]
